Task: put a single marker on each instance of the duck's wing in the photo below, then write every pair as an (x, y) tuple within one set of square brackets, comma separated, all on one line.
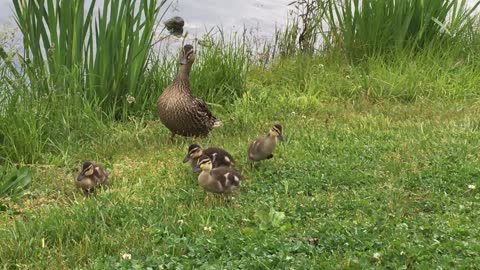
[(219, 156), (204, 112), (227, 177), (255, 148)]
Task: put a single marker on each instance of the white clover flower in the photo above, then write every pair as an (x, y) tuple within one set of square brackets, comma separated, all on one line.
[(130, 99), (207, 229), (126, 256), (471, 187), (377, 255)]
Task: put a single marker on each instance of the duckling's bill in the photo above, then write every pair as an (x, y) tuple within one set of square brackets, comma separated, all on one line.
[(80, 176)]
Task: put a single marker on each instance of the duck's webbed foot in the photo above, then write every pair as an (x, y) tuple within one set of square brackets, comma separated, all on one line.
[(171, 138)]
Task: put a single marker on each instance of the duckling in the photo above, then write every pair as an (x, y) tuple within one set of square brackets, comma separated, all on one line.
[(218, 156), (179, 110), (90, 177), (217, 180), (262, 148)]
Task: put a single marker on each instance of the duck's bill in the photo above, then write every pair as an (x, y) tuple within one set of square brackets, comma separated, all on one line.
[(280, 137), (187, 158)]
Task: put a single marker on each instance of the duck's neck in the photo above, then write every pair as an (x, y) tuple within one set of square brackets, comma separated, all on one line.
[(184, 72), (271, 140), (203, 177)]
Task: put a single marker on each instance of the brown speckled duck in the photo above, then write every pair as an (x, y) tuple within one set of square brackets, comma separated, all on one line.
[(179, 110), (218, 156), (90, 177), (217, 180), (262, 148)]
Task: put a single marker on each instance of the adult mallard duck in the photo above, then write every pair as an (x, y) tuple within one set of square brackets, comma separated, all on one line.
[(90, 177), (218, 156), (179, 110), (262, 148)]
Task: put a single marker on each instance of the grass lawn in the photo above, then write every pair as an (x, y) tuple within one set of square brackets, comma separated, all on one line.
[(380, 167), (354, 185)]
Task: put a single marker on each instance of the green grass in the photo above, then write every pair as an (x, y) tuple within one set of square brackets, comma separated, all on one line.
[(374, 173), (372, 184)]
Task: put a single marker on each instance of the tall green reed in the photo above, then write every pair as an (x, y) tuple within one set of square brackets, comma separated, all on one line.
[(118, 51), (365, 28), (110, 51)]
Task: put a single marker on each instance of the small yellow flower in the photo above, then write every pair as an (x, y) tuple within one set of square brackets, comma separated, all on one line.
[(207, 229), (471, 186), (126, 256)]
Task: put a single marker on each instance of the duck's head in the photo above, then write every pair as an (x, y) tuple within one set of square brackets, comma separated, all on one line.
[(194, 151), (205, 163), (187, 55), (87, 171), (276, 132)]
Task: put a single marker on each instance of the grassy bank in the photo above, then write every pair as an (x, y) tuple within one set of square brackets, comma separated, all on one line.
[(379, 168), (354, 185), (375, 172)]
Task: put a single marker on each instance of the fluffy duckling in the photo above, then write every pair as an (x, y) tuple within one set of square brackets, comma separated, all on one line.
[(217, 180), (218, 156), (262, 148), (90, 177)]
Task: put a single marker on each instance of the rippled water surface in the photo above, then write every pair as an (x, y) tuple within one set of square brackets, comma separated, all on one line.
[(199, 15)]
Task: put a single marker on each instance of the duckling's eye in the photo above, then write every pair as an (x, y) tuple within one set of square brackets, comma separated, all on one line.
[(276, 131), (89, 171)]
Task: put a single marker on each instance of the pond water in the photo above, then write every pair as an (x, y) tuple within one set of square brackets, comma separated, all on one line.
[(260, 16)]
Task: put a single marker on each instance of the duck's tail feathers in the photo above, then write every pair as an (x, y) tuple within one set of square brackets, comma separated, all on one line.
[(217, 123)]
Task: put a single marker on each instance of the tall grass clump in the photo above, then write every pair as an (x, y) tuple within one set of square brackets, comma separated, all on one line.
[(77, 69), (364, 28), (220, 70), (106, 52), (301, 33), (13, 182)]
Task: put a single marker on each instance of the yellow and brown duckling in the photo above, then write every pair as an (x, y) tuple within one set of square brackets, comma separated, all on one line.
[(262, 148), (179, 110), (218, 156), (91, 177), (217, 180)]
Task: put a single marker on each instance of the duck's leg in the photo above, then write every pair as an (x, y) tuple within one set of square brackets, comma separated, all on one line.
[(172, 136), (253, 164), (205, 201)]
